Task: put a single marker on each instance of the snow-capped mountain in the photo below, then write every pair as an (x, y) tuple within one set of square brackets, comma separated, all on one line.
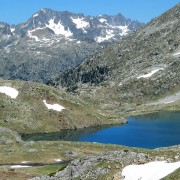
[(72, 26), (51, 42)]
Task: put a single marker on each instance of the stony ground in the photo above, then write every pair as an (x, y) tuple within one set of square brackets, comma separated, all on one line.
[(86, 160)]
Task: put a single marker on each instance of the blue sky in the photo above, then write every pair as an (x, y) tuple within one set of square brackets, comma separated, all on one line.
[(16, 11)]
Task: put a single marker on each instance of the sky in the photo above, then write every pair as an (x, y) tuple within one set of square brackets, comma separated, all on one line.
[(18, 11)]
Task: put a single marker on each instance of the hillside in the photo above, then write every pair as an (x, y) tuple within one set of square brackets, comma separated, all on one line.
[(139, 69), (35, 109), (39, 108)]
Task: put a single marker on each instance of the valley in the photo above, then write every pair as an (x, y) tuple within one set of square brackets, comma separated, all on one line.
[(66, 75)]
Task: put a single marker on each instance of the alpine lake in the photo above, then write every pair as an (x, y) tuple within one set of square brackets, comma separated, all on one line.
[(150, 131)]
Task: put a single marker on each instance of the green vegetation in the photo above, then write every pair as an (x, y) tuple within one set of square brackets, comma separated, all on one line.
[(173, 176), (49, 170)]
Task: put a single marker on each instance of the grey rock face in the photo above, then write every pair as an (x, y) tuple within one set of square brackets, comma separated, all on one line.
[(8, 136), (90, 168), (5, 35), (5, 29)]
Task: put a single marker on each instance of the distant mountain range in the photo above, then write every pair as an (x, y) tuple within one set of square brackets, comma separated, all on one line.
[(51, 42)]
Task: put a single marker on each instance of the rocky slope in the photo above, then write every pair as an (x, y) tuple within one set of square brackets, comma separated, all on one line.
[(105, 166), (81, 160), (51, 42), (141, 68), (99, 166)]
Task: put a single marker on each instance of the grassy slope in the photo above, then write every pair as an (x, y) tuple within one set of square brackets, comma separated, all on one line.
[(28, 114)]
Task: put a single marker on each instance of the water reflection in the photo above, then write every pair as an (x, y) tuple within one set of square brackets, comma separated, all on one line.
[(145, 131), (66, 135)]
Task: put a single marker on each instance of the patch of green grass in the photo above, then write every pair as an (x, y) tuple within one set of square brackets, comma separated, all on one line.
[(48, 170), (173, 176)]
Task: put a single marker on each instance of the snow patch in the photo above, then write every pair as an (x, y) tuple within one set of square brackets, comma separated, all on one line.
[(102, 20), (55, 107), (101, 39), (109, 35), (80, 23), (111, 31), (58, 29), (43, 10), (24, 25), (9, 91), (150, 74), (150, 171), (45, 40), (12, 30), (169, 102), (58, 160), (33, 37), (19, 166), (176, 54), (35, 15), (124, 30)]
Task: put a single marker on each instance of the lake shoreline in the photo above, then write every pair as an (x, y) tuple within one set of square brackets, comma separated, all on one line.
[(136, 125)]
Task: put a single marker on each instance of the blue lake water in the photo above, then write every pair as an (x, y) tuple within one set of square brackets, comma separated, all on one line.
[(146, 131)]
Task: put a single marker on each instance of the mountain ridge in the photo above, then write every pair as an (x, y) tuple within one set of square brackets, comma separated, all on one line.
[(124, 72), (51, 42)]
